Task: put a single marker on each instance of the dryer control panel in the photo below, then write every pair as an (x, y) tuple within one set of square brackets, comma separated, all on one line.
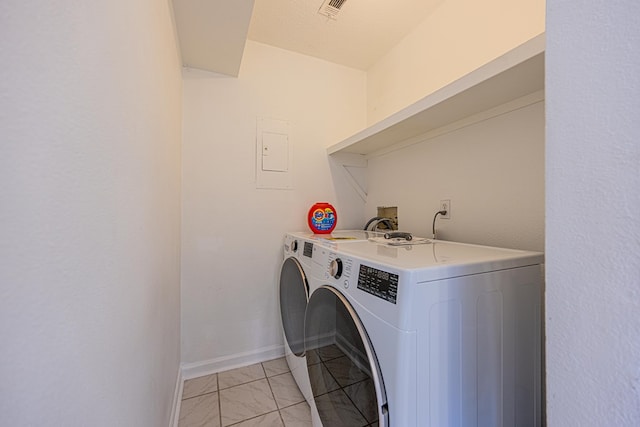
[(378, 282)]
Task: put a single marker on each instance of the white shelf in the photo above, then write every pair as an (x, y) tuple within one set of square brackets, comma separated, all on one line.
[(516, 74)]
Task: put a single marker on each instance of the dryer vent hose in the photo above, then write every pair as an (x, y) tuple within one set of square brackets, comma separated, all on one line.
[(377, 220)]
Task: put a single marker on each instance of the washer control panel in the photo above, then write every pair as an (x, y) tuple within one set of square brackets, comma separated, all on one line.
[(378, 282), (338, 267)]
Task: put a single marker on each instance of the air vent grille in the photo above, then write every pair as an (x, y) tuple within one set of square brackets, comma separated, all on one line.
[(330, 8)]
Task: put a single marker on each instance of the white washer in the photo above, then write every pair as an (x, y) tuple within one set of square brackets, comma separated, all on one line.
[(437, 334), (302, 271)]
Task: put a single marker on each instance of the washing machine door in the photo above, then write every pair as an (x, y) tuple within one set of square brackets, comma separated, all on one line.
[(345, 376), (294, 295)]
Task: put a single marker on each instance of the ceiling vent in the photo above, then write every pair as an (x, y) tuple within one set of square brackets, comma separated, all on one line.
[(330, 8)]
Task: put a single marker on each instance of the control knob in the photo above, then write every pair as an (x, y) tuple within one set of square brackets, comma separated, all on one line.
[(294, 245), (335, 268)]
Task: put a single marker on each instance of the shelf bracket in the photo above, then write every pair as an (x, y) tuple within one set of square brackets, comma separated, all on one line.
[(344, 161)]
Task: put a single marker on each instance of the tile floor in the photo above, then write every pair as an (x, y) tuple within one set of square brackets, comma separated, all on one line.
[(264, 394)]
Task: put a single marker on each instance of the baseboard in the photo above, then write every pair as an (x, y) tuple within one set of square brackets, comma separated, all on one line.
[(224, 363), (177, 400)]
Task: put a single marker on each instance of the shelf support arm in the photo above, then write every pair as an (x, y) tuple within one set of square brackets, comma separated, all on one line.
[(345, 160)]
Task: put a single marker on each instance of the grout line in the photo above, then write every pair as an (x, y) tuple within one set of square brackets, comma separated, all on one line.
[(246, 382), (294, 404), (356, 406), (271, 390), (281, 418), (253, 418), (219, 400), (199, 395), (274, 396)]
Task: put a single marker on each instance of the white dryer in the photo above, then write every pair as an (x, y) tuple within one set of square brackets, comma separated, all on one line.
[(436, 334), (302, 271)]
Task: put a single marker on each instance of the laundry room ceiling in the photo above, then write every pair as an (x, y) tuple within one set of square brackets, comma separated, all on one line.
[(361, 33), (212, 33)]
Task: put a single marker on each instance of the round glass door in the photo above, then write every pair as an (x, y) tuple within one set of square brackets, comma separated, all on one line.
[(345, 377), (294, 294)]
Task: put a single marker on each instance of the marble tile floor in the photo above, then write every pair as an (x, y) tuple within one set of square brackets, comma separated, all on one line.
[(264, 394)]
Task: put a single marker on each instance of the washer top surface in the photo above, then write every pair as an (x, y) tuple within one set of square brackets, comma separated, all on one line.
[(439, 259), (338, 236)]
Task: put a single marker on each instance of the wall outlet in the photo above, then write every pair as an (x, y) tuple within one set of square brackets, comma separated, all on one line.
[(445, 205)]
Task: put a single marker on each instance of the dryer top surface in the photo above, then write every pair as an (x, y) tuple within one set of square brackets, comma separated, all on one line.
[(441, 259)]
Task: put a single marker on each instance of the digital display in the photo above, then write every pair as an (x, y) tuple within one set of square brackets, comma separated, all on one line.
[(378, 282)]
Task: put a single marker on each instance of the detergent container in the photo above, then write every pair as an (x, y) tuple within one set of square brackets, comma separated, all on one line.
[(322, 218)]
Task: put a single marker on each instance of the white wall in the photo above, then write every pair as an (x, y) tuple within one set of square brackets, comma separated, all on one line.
[(458, 37), (593, 213), (492, 171), (89, 211), (232, 232)]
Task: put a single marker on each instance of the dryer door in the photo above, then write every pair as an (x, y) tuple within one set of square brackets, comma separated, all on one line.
[(294, 294), (345, 377)]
